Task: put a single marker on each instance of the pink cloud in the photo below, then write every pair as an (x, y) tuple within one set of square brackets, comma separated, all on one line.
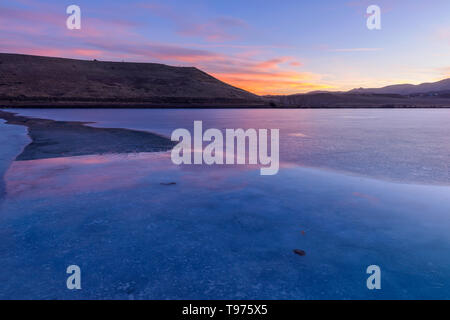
[(295, 64), (443, 34), (88, 52), (276, 62), (219, 29)]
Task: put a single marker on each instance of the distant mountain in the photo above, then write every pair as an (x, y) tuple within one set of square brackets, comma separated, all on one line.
[(35, 80), (407, 89), (425, 95)]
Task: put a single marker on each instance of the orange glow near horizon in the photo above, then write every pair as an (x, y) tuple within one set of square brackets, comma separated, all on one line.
[(271, 84)]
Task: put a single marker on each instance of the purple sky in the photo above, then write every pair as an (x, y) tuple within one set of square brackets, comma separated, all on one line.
[(266, 47)]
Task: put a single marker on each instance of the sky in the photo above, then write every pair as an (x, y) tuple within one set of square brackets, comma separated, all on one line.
[(266, 47)]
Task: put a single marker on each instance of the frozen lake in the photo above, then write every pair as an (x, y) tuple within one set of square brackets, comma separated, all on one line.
[(355, 188)]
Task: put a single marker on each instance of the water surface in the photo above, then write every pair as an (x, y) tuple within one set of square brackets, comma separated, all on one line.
[(409, 145), (356, 188)]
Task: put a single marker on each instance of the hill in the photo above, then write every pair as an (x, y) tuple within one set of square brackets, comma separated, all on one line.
[(409, 89), (27, 80)]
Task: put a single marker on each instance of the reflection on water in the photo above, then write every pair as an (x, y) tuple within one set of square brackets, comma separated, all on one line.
[(81, 174), (408, 145)]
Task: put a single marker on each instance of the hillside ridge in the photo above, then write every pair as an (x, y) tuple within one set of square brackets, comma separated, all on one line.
[(26, 79)]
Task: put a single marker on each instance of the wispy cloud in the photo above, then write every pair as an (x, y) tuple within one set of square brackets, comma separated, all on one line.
[(272, 76), (219, 29), (443, 34), (275, 63), (444, 72), (216, 30), (355, 49)]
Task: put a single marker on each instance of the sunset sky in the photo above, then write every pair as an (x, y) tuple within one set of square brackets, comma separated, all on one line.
[(267, 47)]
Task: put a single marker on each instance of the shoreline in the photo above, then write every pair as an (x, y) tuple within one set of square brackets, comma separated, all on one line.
[(181, 106), (134, 106), (56, 139)]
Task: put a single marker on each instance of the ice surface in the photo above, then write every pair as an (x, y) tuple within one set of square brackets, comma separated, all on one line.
[(222, 232), (407, 145)]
